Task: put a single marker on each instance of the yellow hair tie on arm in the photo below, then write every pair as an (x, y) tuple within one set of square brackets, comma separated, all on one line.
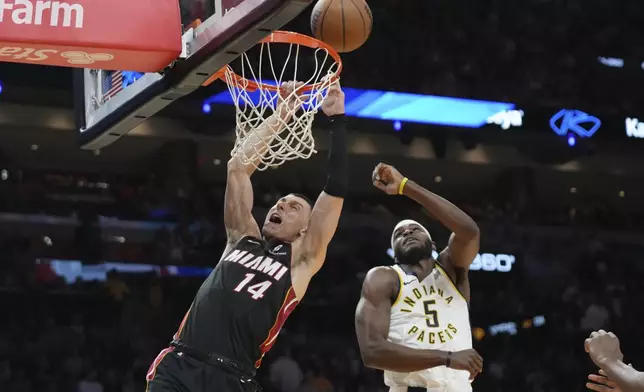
[(402, 185)]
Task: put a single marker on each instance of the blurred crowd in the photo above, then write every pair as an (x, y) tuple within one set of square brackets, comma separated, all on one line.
[(536, 52), (530, 52), (94, 336)]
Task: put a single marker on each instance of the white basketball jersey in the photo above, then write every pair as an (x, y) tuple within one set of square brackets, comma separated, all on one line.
[(430, 315)]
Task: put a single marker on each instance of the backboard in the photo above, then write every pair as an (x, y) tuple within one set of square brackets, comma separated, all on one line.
[(110, 103)]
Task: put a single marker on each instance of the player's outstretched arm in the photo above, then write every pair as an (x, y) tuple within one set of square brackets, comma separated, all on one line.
[(463, 245), (372, 329), (238, 202), (603, 348), (327, 209)]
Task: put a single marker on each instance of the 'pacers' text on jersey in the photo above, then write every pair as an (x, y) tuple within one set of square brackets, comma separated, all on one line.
[(433, 315), (241, 307)]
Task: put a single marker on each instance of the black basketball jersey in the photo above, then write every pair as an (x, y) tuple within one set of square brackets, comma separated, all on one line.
[(241, 307)]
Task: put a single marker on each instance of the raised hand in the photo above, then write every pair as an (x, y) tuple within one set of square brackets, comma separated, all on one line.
[(333, 104), (289, 97), (386, 178), (603, 347)]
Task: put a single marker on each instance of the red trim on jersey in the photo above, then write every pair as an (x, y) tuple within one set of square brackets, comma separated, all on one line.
[(289, 304), (177, 335), (152, 371)]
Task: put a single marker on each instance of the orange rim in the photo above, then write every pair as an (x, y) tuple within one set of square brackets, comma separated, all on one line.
[(282, 37)]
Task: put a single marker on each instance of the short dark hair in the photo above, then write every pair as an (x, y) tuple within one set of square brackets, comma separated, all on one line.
[(302, 196)]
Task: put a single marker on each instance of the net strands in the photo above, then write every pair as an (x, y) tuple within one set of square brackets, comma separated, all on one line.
[(289, 117)]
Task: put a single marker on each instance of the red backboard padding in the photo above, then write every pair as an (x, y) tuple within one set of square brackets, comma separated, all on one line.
[(136, 35)]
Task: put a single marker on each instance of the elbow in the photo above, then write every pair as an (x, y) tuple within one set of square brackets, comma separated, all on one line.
[(370, 354), (471, 231), (368, 359)]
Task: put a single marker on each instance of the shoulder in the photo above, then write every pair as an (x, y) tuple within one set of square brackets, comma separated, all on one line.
[(444, 262), (381, 281), (457, 276), (382, 274)]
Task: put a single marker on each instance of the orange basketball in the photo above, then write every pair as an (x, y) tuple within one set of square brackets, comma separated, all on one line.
[(343, 24)]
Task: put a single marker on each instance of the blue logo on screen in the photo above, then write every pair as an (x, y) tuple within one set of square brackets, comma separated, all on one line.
[(575, 121)]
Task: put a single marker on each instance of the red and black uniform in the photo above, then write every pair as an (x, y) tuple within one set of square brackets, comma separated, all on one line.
[(233, 321)]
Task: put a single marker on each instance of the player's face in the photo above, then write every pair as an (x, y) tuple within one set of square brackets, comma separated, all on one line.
[(287, 219), (411, 244)]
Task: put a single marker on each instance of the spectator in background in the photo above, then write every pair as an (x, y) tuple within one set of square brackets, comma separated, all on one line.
[(116, 287), (90, 384), (596, 316), (316, 381), (285, 373)]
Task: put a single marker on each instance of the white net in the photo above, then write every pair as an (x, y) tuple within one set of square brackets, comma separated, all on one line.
[(276, 126)]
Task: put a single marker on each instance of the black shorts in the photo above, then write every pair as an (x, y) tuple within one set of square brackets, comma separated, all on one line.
[(177, 372)]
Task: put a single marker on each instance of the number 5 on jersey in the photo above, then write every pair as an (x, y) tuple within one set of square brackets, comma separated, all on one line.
[(431, 315), (257, 290)]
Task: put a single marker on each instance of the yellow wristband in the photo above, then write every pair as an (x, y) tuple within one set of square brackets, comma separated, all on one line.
[(402, 185)]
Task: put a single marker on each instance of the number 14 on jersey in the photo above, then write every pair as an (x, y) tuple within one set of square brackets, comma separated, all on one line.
[(256, 290)]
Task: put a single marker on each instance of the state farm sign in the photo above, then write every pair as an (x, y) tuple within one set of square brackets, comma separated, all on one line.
[(140, 35), (73, 58), (53, 13)]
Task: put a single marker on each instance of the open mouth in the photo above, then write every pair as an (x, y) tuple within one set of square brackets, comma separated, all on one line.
[(409, 240), (275, 218)]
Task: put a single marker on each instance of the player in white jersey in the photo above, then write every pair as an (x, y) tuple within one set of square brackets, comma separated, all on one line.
[(412, 320)]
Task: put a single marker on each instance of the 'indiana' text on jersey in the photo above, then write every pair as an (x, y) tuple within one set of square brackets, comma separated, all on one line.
[(241, 307), (423, 300), (430, 314)]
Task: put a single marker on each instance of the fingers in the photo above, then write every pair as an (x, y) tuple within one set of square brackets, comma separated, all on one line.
[(382, 170), (475, 364), (599, 387), (597, 333), (479, 360), (381, 178), (287, 88), (377, 172), (601, 380), (375, 176), (587, 345), (335, 85), (380, 186), (377, 181)]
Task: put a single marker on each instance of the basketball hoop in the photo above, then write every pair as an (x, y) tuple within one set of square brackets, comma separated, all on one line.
[(257, 99)]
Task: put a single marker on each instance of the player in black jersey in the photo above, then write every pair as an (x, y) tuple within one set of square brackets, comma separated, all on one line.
[(241, 307)]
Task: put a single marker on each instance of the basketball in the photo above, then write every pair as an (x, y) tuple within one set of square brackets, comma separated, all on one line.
[(343, 24)]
